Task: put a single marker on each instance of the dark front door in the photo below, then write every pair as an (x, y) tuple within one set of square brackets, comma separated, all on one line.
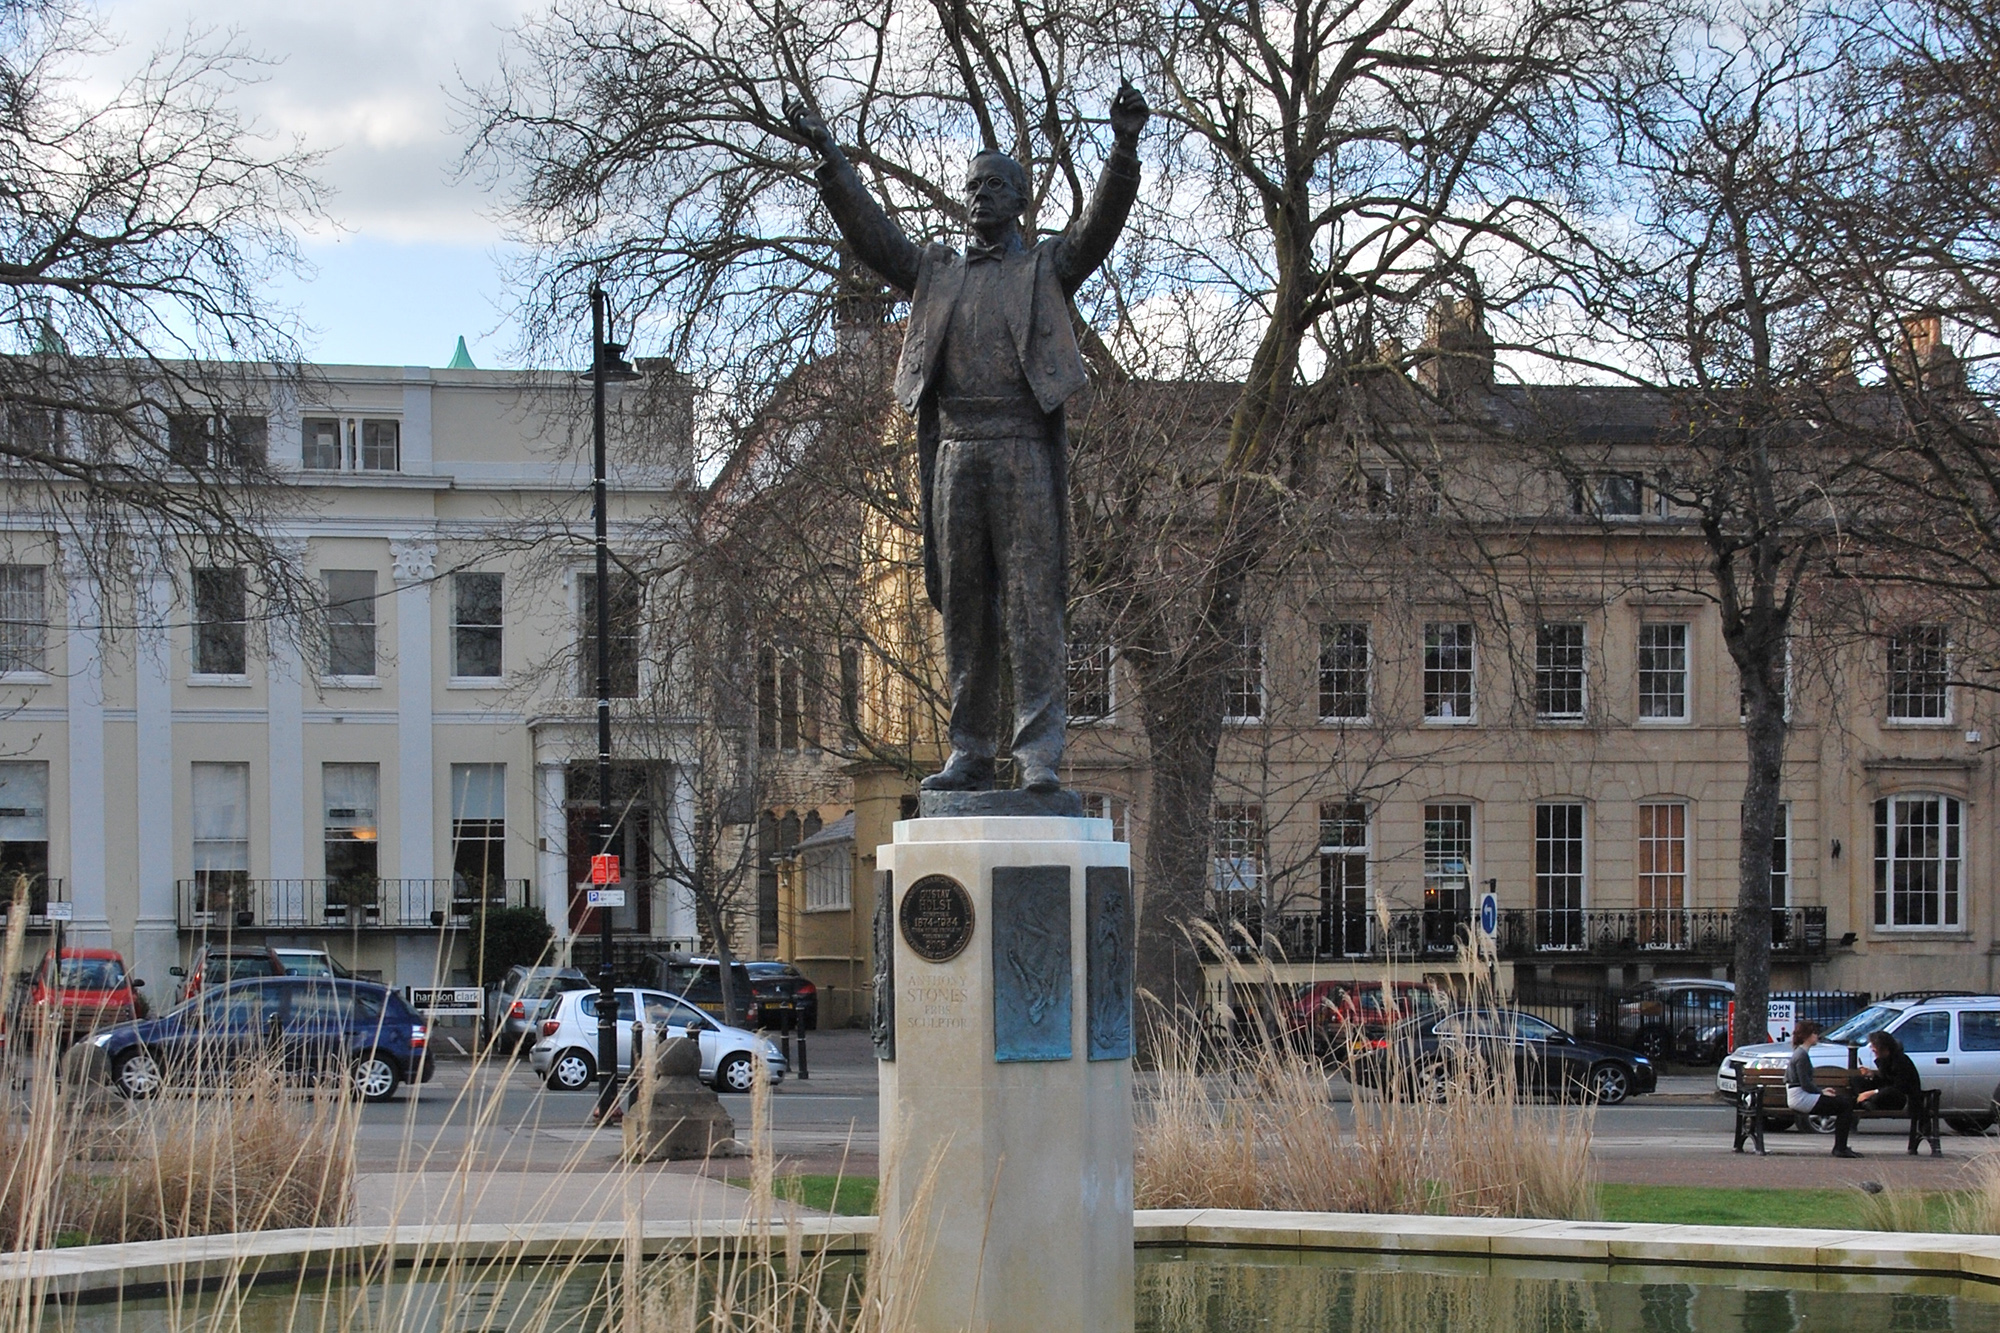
[(631, 842)]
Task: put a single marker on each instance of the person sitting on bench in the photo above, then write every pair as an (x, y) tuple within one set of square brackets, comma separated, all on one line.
[(1802, 1090), (1894, 1085)]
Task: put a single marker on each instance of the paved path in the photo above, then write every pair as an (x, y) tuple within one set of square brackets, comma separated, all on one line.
[(648, 1193)]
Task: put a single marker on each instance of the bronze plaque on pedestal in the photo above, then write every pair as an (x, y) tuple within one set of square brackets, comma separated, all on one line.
[(936, 917)]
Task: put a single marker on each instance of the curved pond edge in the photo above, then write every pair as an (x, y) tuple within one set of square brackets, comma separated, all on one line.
[(96, 1273)]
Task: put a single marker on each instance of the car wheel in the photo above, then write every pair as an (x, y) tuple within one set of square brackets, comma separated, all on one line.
[(572, 1071), (1610, 1084), (736, 1073), (137, 1074), (374, 1077), (1436, 1085), (1969, 1124), (1818, 1124), (1652, 1043)]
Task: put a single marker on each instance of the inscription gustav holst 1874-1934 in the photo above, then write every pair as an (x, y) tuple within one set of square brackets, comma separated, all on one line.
[(936, 918)]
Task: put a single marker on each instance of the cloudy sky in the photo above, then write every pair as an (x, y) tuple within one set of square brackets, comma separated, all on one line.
[(418, 258)]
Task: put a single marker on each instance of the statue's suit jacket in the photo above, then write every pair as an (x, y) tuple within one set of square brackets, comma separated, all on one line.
[(1035, 290)]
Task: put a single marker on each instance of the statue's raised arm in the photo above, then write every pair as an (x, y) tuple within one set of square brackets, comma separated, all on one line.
[(876, 240), (1087, 242)]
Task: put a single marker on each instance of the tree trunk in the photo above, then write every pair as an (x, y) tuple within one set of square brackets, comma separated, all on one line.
[(1765, 731), (1184, 728)]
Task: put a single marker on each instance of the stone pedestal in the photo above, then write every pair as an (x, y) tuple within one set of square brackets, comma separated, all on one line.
[(685, 1120), (1008, 1062)]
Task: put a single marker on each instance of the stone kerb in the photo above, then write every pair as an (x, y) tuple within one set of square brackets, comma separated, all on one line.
[(1845, 1259)]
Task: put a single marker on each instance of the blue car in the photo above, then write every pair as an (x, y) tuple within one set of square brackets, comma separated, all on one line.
[(315, 1027)]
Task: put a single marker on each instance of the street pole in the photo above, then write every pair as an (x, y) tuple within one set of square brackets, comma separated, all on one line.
[(607, 994)]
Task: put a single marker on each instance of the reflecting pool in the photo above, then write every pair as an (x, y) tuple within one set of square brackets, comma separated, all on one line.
[(1253, 1291), (1179, 1291)]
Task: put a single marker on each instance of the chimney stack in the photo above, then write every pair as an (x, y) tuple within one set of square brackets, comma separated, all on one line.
[(1457, 354)]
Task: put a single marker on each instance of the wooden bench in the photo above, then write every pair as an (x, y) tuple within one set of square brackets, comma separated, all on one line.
[(1760, 1093)]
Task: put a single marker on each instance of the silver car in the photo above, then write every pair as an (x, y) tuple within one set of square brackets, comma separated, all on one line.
[(1954, 1042), (525, 995), (565, 1055)]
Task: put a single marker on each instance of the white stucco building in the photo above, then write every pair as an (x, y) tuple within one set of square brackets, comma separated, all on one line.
[(185, 772)]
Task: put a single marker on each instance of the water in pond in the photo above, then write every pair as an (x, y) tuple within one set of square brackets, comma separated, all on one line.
[(1190, 1291), (1247, 1291)]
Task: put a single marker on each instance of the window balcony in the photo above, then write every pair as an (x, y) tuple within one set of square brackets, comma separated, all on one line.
[(220, 903), (1524, 934)]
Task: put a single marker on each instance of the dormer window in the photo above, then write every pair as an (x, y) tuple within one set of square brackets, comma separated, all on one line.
[(351, 444)]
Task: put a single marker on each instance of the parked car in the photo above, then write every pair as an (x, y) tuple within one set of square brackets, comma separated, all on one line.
[(1338, 1016), (215, 964), (783, 993), (1546, 1059), (699, 981), (1954, 1041), (316, 1027), (515, 1008), (309, 963), (1673, 1017), (81, 990), (566, 1053), (1690, 1018)]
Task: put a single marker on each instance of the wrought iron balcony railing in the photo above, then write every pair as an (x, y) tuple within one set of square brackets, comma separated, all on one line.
[(1524, 933), (229, 902)]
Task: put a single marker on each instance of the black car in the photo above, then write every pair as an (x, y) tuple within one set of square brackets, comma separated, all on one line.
[(1546, 1059), (314, 1026), (784, 993), (699, 982)]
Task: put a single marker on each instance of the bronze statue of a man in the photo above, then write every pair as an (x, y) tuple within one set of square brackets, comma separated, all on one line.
[(988, 362)]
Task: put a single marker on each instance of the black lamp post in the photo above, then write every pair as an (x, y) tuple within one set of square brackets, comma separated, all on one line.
[(607, 367)]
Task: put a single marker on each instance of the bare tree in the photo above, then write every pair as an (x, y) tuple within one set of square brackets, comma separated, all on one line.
[(136, 235), (1324, 169)]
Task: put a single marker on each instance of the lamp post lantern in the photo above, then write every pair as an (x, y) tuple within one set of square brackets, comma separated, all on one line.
[(608, 372)]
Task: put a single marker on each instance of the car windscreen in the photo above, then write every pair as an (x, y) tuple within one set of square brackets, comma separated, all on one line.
[(92, 974), (1872, 1019), (231, 968)]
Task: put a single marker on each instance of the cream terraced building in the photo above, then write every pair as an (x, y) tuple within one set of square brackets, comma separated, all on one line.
[(363, 786)]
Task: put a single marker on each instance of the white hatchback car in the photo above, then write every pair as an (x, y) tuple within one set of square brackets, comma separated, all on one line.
[(1954, 1041), (565, 1054)]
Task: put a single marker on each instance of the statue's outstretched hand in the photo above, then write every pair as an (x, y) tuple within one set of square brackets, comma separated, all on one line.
[(1128, 113), (811, 128)]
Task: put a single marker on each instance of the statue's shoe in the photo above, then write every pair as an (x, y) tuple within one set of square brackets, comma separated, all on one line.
[(963, 773), (1039, 778)]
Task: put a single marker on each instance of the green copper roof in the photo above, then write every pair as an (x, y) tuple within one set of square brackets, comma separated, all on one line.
[(461, 359)]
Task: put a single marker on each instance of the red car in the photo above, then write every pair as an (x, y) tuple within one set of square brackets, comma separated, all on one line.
[(1341, 1014), (84, 990)]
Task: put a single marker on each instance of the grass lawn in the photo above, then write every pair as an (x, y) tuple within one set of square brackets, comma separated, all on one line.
[(1836, 1208), (856, 1193)]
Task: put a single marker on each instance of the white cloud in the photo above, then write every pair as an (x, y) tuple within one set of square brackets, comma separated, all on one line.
[(367, 82)]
